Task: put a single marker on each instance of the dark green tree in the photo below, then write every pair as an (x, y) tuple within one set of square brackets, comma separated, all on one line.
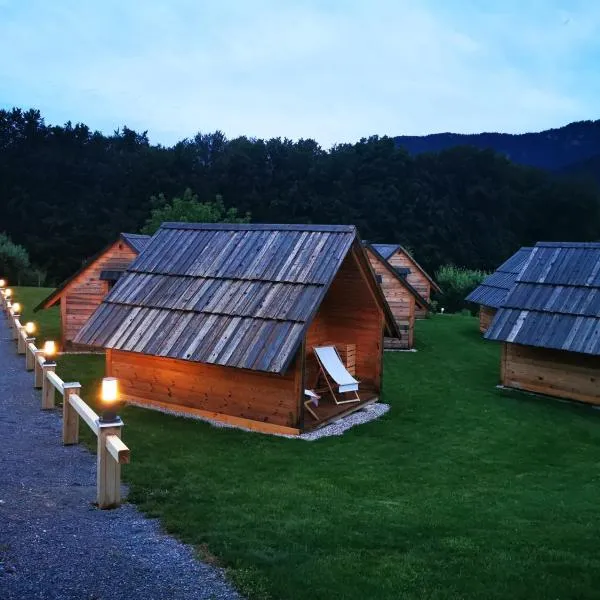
[(187, 209)]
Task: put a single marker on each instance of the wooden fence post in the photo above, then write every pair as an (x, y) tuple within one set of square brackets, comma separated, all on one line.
[(39, 373), (108, 483), (29, 355), (21, 337), (15, 329), (47, 387), (70, 416)]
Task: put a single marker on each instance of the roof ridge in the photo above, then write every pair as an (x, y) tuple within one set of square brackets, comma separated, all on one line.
[(136, 235), (259, 227), (583, 245)]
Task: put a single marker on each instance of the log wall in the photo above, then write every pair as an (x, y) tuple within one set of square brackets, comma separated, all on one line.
[(486, 316), (551, 372), (415, 278), (263, 397), (85, 293), (400, 300)]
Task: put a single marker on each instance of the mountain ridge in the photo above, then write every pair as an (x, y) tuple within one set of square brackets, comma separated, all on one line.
[(555, 149)]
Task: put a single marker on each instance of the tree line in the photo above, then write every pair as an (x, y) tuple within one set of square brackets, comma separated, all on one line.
[(67, 191)]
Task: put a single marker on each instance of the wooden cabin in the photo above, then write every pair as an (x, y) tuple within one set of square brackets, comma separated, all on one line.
[(220, 321), (495, 288), (80, 295), (408, 267), (549, 324), (401, 297)]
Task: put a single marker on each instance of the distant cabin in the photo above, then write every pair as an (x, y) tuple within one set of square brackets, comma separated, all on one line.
[(402, 298), (549, 324), (220, 321), (80, 295), (493, 291), (408, 267)]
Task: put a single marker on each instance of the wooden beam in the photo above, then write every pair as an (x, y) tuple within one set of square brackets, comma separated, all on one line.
[(22, 341), (16, 326), (85, 412), (70, 416), (56, 381), (47, 387), (38, 359), (30, 354), (117, 449), (108, 476)]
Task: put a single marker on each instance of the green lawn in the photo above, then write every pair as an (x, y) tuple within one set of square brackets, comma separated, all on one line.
[(461, 491)]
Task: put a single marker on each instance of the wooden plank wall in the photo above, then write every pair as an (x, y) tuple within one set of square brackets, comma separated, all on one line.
[(401, 301), (486, 316), (316, 335), (225, 390), (349, 314), (85, 293), (552, 372), (415, 278)]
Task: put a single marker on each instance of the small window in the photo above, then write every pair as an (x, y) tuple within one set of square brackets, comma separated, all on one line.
[(379, 278)]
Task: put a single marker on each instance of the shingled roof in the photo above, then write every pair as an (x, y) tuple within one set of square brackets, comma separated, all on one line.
[(495, 288), (238, 295), (136, 241), (555, 302), (386, 250)]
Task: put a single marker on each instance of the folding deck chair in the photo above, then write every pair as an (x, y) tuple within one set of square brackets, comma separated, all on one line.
[(336, 374), (312, 399)]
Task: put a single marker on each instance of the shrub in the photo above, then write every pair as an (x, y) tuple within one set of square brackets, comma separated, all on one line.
[(14, 260), (16, 266), (456, 284)]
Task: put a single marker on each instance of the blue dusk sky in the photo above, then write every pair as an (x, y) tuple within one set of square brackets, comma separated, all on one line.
[(333, 70)]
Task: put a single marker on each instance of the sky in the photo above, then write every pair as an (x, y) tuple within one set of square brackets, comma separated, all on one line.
[(332, 70)]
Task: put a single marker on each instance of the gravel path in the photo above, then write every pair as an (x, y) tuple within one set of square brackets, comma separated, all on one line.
[(54, 544)]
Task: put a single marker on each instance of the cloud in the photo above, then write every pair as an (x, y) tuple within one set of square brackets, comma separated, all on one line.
[(334, 71)]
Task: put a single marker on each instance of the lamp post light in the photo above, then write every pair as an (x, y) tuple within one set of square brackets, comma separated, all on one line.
[(110, 401), (15, 311), (24, 337), (7, 299), (7, 293), (49, 352), (49, 366), (2, 283)]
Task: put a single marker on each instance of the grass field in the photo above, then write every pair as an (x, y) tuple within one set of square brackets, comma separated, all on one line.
[(460, 491)]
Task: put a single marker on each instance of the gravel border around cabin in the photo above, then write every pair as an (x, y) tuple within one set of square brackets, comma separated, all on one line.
[(54, 544), (367, 413)]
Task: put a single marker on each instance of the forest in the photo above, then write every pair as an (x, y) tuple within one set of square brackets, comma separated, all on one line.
[(66, 191)]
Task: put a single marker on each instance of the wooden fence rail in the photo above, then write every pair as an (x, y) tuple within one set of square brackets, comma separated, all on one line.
[(111, 451)]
